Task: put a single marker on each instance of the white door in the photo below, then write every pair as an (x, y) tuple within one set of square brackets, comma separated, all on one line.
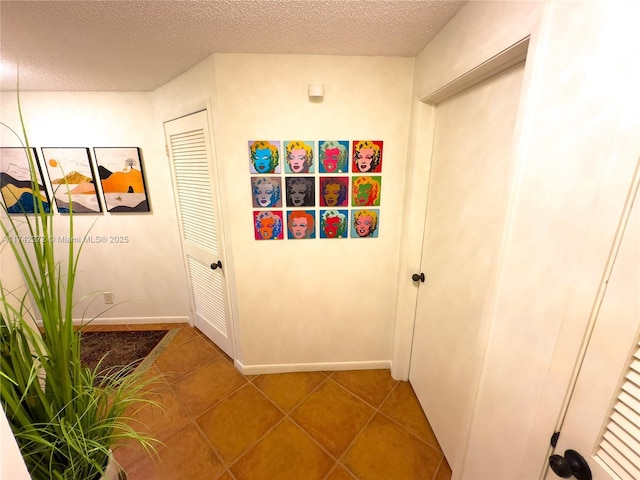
[(471, 173), (602, 422), (189, 150)]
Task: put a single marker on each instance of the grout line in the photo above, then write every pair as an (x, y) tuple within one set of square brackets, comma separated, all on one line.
[(250, 380), (435, 473), (284, 418)]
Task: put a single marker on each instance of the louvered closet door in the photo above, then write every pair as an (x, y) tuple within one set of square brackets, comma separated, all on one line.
[(194, 182), (603, 419)]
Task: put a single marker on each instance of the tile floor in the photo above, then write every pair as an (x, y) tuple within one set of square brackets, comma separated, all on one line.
[(217, 424)]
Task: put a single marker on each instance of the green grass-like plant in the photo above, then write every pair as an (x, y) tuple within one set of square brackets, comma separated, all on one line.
[(66, 418)]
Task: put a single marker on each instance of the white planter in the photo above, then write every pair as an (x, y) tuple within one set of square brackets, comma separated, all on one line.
[(112, 471)]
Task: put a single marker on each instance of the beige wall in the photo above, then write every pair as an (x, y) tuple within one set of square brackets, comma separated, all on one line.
[(305, 304), (577, 147), (578, 142), (147, 272)]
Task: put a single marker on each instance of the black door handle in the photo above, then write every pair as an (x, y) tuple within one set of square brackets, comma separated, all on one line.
[(218, 264), (415, 277), (572, 464)]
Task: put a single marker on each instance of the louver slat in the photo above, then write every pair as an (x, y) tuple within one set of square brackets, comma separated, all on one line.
[(208, 300), (194, 190), (620, 443)]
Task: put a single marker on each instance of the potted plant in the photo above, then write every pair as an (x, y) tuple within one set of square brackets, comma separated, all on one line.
[(66, 418)]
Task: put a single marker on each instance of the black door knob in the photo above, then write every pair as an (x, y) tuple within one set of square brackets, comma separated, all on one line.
[(415, 277), (218, 264), (572, 464)]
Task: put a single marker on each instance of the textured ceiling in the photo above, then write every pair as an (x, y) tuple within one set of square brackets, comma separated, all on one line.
[(108, 45)]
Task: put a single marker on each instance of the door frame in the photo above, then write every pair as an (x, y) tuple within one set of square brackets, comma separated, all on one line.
[(424, 113), (567, 334), (207, 105), (420, 157)]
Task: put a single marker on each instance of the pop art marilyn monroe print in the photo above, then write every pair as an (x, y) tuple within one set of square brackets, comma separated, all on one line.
[(367, 156), (300, 191), (299, 156), (333, 223), (264, 156), (364, 223), (268, 225), (301, 224), (334, 156), (365, 191), (266, 192)]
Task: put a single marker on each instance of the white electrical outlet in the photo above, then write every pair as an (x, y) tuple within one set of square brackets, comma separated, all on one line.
[(108, 297)]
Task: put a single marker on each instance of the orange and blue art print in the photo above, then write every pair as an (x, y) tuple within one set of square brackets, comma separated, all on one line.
[(333, 156), (267, 225), (73, 180), (366, 191), (264, 156), (301, 224), (365, 223), (334, 224), (366, 156), (122, 179), (16, 185), (299, 156), (334, 191), (266, 192)]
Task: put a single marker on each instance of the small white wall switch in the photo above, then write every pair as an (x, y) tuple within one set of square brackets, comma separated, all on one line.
[(108, 297)]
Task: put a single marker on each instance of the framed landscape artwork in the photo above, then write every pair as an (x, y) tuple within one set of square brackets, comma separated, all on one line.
[(122, 179), (15, 181), (72, 179)]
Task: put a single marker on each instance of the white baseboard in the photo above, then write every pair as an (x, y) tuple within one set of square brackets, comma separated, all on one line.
[(311, 367), (127, 320)]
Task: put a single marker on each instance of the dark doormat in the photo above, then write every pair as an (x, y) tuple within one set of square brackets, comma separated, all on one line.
[(126, 348)]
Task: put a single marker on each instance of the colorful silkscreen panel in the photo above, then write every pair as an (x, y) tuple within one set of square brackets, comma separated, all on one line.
[(300, 191), (268, 225), (366, 191), (334, 191), (365, 223), (72, 179), (266, 192), (333, 156), (122, 179), (301, 224), (333, 223), (299, 156), (15, 181), (367, 156), (264, 156)]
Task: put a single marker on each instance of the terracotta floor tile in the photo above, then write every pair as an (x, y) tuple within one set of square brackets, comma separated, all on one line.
[(218, 424), (181, 358), (185, 334), (288, 389), (238, 422), (332, 416), (286, 453), (185, 456), (340, 473), (167, 417), (225, 476), (207, 385), (370, 385), (158, 421), (403, 407), (444, 472), (386, 451)]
